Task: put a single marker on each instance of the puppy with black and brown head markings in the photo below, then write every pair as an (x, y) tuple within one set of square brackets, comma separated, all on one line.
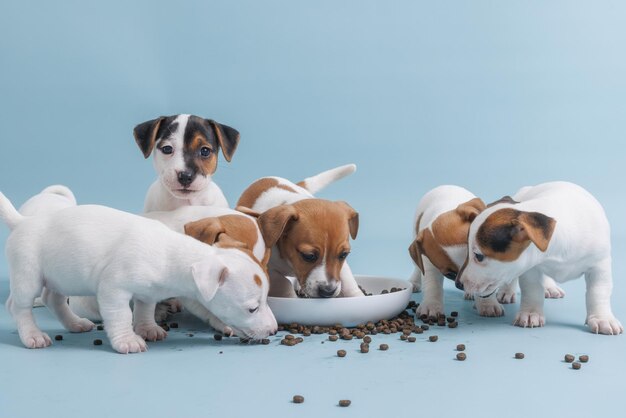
[(184, 150), (309, 237), (439, 248), (554, 229)]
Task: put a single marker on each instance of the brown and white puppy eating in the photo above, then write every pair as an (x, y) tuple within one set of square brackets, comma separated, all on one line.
[(309, 237)]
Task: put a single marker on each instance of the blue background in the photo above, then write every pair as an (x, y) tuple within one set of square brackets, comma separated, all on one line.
[(488, 95)]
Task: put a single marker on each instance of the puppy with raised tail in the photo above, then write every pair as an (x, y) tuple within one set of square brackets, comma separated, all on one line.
[(184, 150), (439, 248), (117, 256), (309, 237), (553, 229)]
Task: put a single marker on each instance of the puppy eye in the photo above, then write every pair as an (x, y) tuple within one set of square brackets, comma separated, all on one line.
[(309, 257), (451, 275), (167, 149), (205, 151), (344, 255), (479, 257), (253, 310)]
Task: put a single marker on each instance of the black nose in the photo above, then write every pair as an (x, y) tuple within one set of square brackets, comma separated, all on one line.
[(185, 178), (327, 291)]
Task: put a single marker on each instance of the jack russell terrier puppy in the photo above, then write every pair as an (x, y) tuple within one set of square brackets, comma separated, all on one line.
[(184, 150), (224, 227), (554, 229), (309, 237), (117, 256), (439, 248)]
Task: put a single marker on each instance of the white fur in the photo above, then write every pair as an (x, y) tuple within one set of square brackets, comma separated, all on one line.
[(580, 245), (118, 256), (166, 192)]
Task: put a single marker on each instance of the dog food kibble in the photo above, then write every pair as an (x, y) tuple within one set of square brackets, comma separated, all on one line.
[(265, 341), (333, 338), (569, 358), (454, 314), (367, 339), (403, 337), (575, 365), (174, 325), (433, 338), (218, 337), (289, 337), (365, 348), (341, 353), (453, 324), (58, 337), (344, 402), (384, 347), (97, 342), (411, 339), (519, 356), (425, 327), (298, 399), (460, 347), (299, 340), (461, 356), (584, 358), (100, 327)]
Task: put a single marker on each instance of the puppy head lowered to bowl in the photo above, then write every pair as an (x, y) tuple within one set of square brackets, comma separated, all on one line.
[(346, 311)]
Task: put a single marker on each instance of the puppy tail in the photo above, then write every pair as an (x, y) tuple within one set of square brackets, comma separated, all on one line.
[(8, 213), (61, 190), (316, 183)]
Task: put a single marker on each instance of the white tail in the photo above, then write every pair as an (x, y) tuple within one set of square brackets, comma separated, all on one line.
[(316, 183), (61, 190), (8, 213)]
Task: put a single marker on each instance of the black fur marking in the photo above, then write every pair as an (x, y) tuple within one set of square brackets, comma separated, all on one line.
[(195, 126), (498, 237)]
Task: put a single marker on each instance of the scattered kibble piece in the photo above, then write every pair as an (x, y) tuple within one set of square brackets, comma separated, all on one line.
[(454, 314), (367, 339), (575, 365), (461, 356), (433, 338), (218, 337), (569, 358), (341, 353), (58, 337), (345, 402), (460, 347), (584, 358), (411, 339), (174, 325), (97, 342), (453, 324), (365, 348), (333, 337), (519, 356), (100, 327), (298, 399), (384, 347), (265, 341)]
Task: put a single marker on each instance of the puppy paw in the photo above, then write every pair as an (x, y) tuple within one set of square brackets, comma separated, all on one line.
[(468, 296), (553, 292), (529, 319), (35, 339), (430, 309), (488, 307), (173, 305), (506, 296), (605, 324), (80, 325), (130, 344), (161, 312), (151, 332)]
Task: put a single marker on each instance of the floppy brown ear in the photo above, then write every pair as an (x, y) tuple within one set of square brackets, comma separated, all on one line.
[(145, 135), (416, 252), (247, 211), (266, 257), (206, 230), (536, 227), (470, 209), (227, 137), (353, 218), (226, 241), (275, 221)]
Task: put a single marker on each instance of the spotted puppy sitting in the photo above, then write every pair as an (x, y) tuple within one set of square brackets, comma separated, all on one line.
[(439, 248), (554, 229), (184, 151)]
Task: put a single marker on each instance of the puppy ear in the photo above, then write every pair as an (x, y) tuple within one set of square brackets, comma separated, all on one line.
[(353, 218), (534, 226), (266, 257), (227, 137), (145, 135), (225, 241), (468, 211), (206, 230), (247, 211), (275, 221), (208, 277), (416, 252), (503, 199)]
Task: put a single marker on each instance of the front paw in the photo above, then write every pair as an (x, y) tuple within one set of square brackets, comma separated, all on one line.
[(430, 309), (129, 344), (506, 296), (529, 319), (604, 324), (80, 325), (489, 307), (553, 292), (35, 339), (468, 296), (151, 332)]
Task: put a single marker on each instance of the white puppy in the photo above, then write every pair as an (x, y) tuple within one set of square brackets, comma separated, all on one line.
[(49, 200), (554, 229), (184, 149), (117, 256)]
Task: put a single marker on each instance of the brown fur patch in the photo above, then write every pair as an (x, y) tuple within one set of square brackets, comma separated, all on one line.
[(285, 187), (432, 249), (450, 229), (251, 194), (240, 228), (258, 280)]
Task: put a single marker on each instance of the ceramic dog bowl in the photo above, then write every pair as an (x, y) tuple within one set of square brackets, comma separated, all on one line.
[(346, 311)]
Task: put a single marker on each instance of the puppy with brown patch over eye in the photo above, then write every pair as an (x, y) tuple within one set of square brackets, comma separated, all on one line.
[(184, 150), (442, 224), (558, 230), (309, 237)]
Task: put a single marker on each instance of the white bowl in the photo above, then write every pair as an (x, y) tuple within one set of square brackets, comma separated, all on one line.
[(346, 311)]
